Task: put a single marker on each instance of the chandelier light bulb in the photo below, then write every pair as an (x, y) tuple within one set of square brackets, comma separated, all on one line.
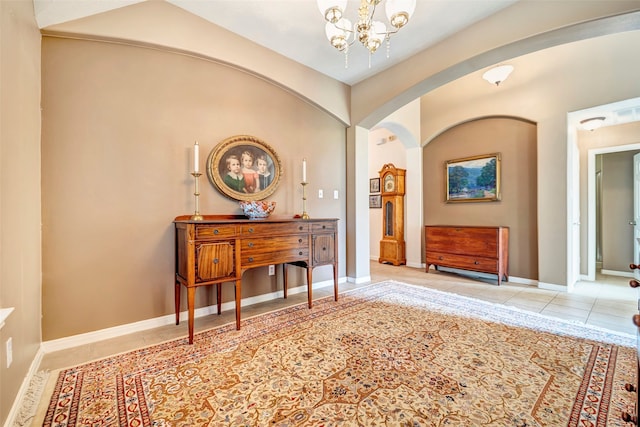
[(376, 34), (338, 33), (399, 11), (332, 10)]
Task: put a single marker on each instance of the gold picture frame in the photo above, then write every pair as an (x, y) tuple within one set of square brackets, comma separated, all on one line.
[(229, 171), (473, 179)]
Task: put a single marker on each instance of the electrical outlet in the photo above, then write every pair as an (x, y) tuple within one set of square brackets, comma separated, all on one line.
[(335, 194), (272, 270), (320, 194), (9, 352)]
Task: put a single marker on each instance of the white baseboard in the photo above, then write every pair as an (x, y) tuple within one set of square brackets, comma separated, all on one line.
[(17, 403), (617, 273), (552, 287), (116, 331), (359, 280)]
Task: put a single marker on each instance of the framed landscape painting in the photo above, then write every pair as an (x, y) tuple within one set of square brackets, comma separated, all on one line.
[(473, 179)]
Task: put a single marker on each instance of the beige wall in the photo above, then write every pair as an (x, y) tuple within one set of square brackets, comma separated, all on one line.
[(119, 123), (516, 141), (20, 252)]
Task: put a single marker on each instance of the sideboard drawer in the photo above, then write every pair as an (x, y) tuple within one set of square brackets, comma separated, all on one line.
[(274, 244), (489, 265), (215, 231), (271, 229), (214, 261), (323, 227), (463, 240), (323, 249), (257, 258)]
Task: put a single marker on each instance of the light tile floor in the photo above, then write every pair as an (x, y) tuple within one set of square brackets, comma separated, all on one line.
[(608, 303)]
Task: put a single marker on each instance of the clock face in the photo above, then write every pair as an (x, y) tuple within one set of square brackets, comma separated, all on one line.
[(389, 183)]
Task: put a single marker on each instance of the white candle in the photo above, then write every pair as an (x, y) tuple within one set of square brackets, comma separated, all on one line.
[(196, 155), (304, 170)]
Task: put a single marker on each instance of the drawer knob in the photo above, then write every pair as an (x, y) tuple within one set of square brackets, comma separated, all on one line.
[(440, 258), (300, 253), (324, 226), (476, 262), (216, 260), (299, 240), (251, 230), (250, 244), (250, 259), (300, 227), (630, 387), (324, 248), (634, 283)]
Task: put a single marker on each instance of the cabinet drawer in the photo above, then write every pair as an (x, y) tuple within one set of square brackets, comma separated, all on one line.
[(463, 240), (323, 249), (272, 249), (256, 258), (273, 228), (488, 265), (215, 231), (323, 227), (214, 261)]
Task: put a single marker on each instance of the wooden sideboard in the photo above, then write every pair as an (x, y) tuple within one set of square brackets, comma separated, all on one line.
[(220, 248), (482, 249)]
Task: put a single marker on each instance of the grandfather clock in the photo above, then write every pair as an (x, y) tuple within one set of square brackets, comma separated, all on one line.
[(392, 249)]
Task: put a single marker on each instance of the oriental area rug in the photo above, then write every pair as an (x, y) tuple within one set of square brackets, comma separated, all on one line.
[(389, 354)]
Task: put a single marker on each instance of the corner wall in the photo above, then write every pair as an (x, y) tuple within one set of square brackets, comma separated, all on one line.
[(20, 217), (516, 142)]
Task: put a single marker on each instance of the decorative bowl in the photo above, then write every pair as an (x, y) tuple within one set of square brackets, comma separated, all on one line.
[(257, 209)]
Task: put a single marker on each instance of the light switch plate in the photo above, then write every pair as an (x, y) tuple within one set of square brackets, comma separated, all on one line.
[(320, 194)]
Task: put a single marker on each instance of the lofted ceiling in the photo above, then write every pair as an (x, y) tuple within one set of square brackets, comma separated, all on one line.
[(295, 28)]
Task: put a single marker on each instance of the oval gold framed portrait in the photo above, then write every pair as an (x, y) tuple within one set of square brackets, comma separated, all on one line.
[(244, 167)]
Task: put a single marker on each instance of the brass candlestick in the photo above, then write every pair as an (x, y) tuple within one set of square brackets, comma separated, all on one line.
[(196, 216), (305, 215)]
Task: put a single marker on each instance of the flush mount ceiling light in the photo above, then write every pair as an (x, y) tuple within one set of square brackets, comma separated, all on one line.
[(497, 75), (592, 123), (371, 33)]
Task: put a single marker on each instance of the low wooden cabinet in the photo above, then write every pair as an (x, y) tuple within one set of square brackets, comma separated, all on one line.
[(220, 248), (482, 249)]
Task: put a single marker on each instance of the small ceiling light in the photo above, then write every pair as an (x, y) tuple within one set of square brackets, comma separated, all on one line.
[(593, 123), (497, 75)]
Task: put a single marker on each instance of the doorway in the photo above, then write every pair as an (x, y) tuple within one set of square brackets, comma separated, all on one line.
[(618, 113), (606, 225)]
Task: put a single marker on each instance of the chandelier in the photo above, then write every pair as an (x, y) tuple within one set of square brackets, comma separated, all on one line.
[(369, 32)]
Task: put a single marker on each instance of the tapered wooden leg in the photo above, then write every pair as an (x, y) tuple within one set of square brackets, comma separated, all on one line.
[(309, 290), (335, 281), (177, 301), (238, 299), (191, 298), (284, 279), (219, 297)]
